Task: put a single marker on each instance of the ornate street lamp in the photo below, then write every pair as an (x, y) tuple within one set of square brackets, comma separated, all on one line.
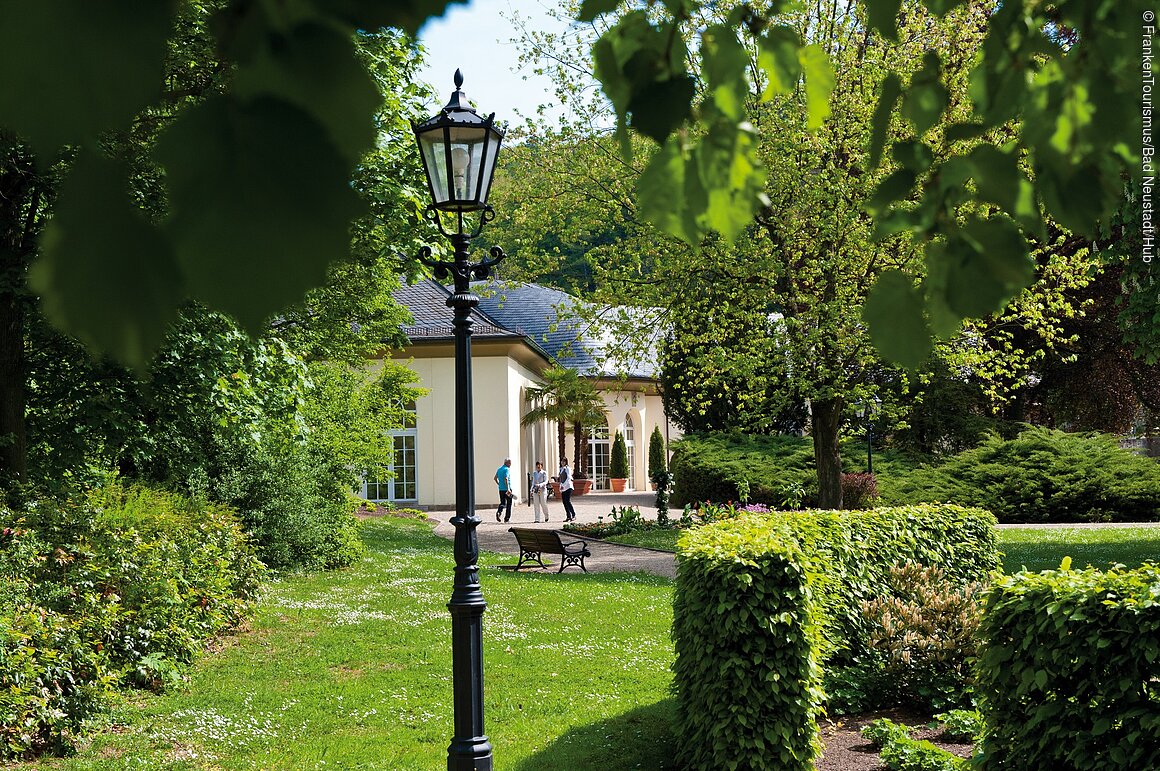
[(459, 150), (870, 409)]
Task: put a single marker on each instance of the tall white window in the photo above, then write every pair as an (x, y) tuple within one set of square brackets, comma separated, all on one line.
[(401, 485), (631, 452), (598, 457)]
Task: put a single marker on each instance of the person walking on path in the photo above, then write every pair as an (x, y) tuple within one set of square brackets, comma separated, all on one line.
[(540, 491), (503, 478), (566, 486)]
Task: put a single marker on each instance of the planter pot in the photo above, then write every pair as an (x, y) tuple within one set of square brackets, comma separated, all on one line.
[(583, 486), (618, 485)]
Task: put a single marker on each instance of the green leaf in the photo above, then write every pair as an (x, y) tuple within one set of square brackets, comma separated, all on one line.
[(820, 82), (723, 68), (590, 9), (315, 68), (658, 108), (897, 186), (957, 132), (105, 275), (882, 15), (777, 56), (893, 313), (944, 322), (999, 180), (888, 96), (409, 15), (730, 172), (660, 192), (987, 264), (73, 68), (261, 203), (913, 155), (926, 99)]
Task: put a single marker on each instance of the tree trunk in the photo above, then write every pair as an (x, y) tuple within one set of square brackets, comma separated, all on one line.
[(560, 439), (827, 417)]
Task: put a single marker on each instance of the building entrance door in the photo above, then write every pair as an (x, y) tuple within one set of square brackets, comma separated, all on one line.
[(598, 457)]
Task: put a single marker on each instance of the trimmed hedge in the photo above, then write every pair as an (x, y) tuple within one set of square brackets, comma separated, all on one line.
[(1043, 476), (762, 600), (746, 636), (1067, 671), (122, 586)]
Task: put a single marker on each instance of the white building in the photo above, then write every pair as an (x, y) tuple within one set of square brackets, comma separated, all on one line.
[(519, 331)]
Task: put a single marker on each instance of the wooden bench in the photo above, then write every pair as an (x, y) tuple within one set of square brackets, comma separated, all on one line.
[(534, 542)]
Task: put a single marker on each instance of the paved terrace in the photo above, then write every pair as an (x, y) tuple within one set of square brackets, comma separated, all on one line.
[(606, 557)]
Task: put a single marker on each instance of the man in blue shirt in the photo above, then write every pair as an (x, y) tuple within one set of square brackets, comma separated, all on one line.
[(503, 478)]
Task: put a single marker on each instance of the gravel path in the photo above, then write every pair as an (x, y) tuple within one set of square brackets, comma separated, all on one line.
[(606, 557)]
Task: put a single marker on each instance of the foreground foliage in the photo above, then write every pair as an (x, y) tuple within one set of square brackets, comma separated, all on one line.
[(124, 586), (1067, 669), (352, 669), (766, 601)]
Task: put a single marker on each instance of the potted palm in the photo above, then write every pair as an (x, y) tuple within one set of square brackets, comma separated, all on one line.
[(618, 464), (566, 398), (550, 402)]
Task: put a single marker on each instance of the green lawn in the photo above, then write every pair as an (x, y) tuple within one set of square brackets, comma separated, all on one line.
[(1023, 547), (1044, 548), (352, 670)]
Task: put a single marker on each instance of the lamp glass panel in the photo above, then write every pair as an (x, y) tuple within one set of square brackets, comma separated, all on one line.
[(435, 163), (484, 174)]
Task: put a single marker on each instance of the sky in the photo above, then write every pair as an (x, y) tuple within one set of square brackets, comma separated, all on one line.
[(474, 38)]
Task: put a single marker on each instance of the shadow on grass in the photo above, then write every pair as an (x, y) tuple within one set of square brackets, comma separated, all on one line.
[(642, 738)]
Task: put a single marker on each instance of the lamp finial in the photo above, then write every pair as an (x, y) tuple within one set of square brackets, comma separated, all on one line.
[(458, 79)]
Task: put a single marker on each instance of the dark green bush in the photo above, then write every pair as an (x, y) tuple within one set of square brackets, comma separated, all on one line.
[(1067, 671), (763, 599), (618, 465), (708, 467), (295, 509), (1043, 476), (657, 462)]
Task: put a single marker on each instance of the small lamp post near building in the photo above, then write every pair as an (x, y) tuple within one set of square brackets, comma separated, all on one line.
[(459, 149), (870, 410)]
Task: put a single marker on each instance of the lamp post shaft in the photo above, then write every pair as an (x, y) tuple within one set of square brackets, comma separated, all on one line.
[(470, 749), (869, 447)]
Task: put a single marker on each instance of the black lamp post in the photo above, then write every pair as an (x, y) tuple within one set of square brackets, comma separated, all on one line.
[(870, 409), (459, 150)]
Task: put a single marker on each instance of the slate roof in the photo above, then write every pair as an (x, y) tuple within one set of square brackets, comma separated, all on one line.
[(427, 301), (537, 313)]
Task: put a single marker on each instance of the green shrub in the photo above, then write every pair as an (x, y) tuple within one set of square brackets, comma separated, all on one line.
[(763, 599), (882, 731), (618, 464), (125, 585), (706, 467), (1043, 476), (906, 754), (746, 671), (1067, 671), (295, 509), (656, 455), (921, 639), (961, 725), (54, 680)]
